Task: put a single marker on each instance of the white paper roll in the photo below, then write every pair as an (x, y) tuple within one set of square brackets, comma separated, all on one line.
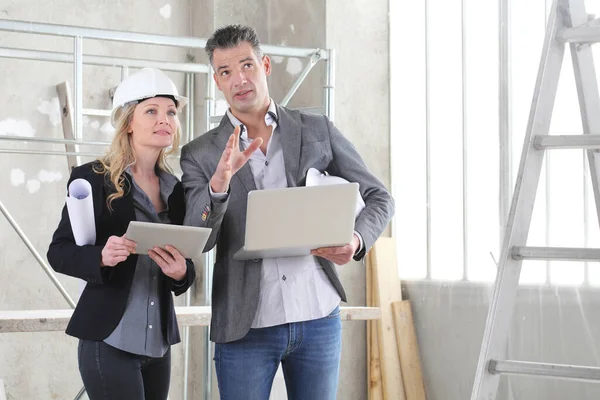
[(314, 177), (80, 205)]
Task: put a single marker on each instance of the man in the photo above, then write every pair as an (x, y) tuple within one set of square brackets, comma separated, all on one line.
[(271, 311)]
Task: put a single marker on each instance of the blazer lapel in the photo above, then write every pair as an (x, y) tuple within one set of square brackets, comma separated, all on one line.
[(220, 140), (123, 210), (290, 129)]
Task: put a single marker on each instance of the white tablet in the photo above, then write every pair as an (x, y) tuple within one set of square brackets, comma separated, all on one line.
[(189, 240)]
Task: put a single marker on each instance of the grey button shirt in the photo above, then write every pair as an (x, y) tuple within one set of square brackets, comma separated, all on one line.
[(140, 329)]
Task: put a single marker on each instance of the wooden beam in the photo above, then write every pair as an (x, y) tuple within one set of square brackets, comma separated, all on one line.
[(408, 350), (375, 388), (387, 282), (57, 320), (63, 90)]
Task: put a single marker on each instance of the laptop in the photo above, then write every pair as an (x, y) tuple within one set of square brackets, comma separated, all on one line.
[(290, 222)]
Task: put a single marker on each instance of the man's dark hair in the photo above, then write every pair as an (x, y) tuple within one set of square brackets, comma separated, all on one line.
[(231, 36)]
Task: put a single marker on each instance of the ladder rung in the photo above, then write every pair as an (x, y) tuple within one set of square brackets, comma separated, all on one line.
[(542, 142), (587, 33), (543, 369), (555, 253)]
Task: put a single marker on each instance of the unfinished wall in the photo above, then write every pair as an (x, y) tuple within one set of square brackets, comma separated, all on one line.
[(554, 325), (43, 365)]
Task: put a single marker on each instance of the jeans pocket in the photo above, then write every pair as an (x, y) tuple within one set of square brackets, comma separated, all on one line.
[(335, 313)]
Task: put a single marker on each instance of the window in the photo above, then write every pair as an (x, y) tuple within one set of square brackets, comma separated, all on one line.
[(446, 98)]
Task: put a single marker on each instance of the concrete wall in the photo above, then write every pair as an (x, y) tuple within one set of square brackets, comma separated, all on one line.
[(43, 365), (550, 324)]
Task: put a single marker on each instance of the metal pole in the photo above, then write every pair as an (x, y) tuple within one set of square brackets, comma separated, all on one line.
[(37, 255), (504, 111), (187, 296), (51, 153), (189, 81), (428, 138), (134, 37), (52, 56), (208, 257), (330, 86), (51, 140), (191, 106), (464, 140), (124, 72), (80, 394), (78, 78), (311, 63)]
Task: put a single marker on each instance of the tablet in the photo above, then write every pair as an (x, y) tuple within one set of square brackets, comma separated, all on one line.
[(189, 240)]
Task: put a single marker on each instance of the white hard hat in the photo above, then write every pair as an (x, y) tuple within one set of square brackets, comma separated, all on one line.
[(149, 82), (316, 178)]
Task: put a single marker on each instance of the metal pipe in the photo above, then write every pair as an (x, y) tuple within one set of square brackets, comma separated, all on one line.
[(428, 137), (586, 217), (187, 109), (78, 91), (544, 369), (51, 153), (52, 56), (208, 265), (209, 103), (465, 203), (36, 255), (314, 59), (96, 112), (124, 73), (208, 259), (192, 107), (504, 115), (189, 90), (80, 394), (133, 37), (330, 86), (52, 140), (57, 153)]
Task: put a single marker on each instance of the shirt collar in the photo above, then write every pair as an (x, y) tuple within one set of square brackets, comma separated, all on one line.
[(167, 181), (271, 119)]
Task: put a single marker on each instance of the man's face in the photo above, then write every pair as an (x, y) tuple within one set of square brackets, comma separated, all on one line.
[(242, 78)]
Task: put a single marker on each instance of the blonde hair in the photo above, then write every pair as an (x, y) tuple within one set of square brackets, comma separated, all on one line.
[(120, 154)]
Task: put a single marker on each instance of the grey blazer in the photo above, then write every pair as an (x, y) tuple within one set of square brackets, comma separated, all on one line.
[(308, 140)]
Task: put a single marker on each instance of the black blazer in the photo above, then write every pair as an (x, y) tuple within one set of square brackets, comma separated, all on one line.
[(102, 303)]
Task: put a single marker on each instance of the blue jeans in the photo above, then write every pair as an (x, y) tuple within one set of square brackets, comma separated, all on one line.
[(309, 353)]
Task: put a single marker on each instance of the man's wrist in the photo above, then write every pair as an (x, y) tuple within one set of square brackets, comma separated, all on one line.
[(355, 243), (218, 187)]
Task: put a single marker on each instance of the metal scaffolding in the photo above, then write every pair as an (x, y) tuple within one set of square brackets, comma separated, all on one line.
[(78, 59)]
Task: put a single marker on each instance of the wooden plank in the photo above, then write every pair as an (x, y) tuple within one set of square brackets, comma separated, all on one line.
[(57, 320), (63, 90), (385, 278), (408, 350), (375, 388)]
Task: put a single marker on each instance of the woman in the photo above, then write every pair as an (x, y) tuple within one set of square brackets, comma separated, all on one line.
[(125, 318)]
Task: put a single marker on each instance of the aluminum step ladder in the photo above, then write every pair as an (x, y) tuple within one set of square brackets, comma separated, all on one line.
[(568, 24)]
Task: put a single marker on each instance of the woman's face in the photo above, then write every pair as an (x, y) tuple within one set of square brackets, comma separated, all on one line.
[(154, 123)]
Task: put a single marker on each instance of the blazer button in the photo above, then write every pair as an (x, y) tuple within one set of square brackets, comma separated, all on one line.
[(256, 260)]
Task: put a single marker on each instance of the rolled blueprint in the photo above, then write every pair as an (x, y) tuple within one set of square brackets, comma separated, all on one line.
[(314, 177), (80, 206)]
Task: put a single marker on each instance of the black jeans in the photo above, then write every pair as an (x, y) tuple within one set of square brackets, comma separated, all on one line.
[(112, 374)]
